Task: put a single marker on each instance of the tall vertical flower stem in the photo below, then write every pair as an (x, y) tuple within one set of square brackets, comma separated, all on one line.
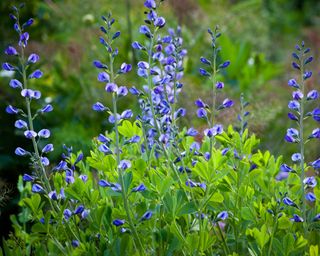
[(137, 240), (301, 143), (214, 96)]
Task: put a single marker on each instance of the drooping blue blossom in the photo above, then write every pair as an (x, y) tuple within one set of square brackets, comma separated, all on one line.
[(159, 22), (204, 72), (313, 95), (201, 113), (296, 218), (293, 83), (20, 124), (122, 91), (36, 74), (310, 182), (105, 149), (14, 83), (225, 64), (317, 217), (104, 183), (11, 110), (310, 197), (126, 114), (21, 152), (146, 216), (75, 243), (191, 132), (8, 67), (137, 46), (44, 133), (316, 114), (151, 4), (219, 85), (79, 209), (125, 68), (47, 148), (296, 157), (104, 139), (297, 95), (27, 177), (30, 134), (33, 58), (139, 188), (205, 61), (227, 103), (11, 51), (292, 116), (61, 166), (36, 188), (118, 222), (307, 75), (45, 161), (98, 64), (288, 201), (315, 134), (53, 195), (67, 214), (47, 108), (99, 107), (286, 168), (103, 77), (111, 87), (294, 105), (222, 215)]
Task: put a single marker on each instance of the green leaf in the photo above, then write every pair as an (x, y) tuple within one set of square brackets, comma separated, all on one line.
[(314, 250), (288, 242), (127, 178), (247, 214), (187, 208), (217, 198)]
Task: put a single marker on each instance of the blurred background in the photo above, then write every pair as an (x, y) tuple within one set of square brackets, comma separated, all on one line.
[(258, 38)]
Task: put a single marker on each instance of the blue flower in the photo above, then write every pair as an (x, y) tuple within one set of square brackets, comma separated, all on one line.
[(122, 91), (151, 4), (99, 64), (21, 152), (125, 68), (137, 46), (118, 222), (10, 50), (11, 110), (317, 217), (316, 114), (14, 83), (61, 166), (46, 109), (103, 139), (53, 195), (44, 133), (313, 95), (79, 209), (297, 95), (30, 134), (8, 67), (307, 75), (205, 61), (296, 218), (294, 105), (45, 161), (225, 64), (47, 148), (28, 23), (146, 216), (111, 87), (159, 22), (310, 197), (227, 103), (116, 35), (222, 215), (20, 124), (99, 107), (219, 85), (293, 83), (204, 72), (33, 58), (36, 74), (288, 201), (67, 214), (201, 113), (126, 114), (292, 117), (103, 77), (310, 182), (315, 134), (124, 164), (105, 149), (27, 177), (36, 188), (296, 157), (286, 168), (144, 30), (75, 243), (84, 178), (191, 132), (104, 183), (139, 188)]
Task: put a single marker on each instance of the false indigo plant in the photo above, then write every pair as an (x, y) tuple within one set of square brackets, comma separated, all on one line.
[(151, 188)]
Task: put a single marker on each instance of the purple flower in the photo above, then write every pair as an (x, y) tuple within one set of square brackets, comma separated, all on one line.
[(99, 107), (14, 83), (79, 209), (159, 22), (200, 104), (222, 215), (310, 197), (21, 152), (143, 65), (315, 133), (104, 149), (46, 109), (67, 214), (316, 114), (118, 222), (317, 217), (23, 41), (103, 77), (20, 124), (11, 110), (288, 201), (53, 195), (85, 214), (201, 113), (61, 166), (44, 133), (307, 75), (224, 151), (146, 216), (296, 218), (139, 188), (84, 178), (126, 114), (316, 164), (313, 95), (103, 139), (36, 74), (296, 157), (27, 177), (282, 176), (285, 168), (30, 134), (292, 117), (28, 23), (297, 95), (294, 105), (125, 68), (144, 30), (33, 58), (75, 243), (36, 188), (151, 4), (124, 164), (122, 91), (191, 132), (295, 65), (111, 87), (116, 35), (137, 46), (219, 85), (99, 64), (205, 61), (310, 182), (11, 51), (180, 113), (293, 83), (225, 64), (45, 161), (204, 72), (227, 103), (47, 148), (8, 67), (308, 60), (104, 183)]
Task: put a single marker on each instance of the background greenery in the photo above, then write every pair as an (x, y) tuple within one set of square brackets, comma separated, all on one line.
[(258, 37)]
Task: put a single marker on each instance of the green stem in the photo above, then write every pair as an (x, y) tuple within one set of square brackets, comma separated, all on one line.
[(272, 235), (137, 240)]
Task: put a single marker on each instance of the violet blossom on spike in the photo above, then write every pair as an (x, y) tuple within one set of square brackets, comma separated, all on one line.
[(46, 109), (297, 95), (316, 114), (222, 215), (227, 103), (111, 87), (99, 107), (124, 164), (288, 201), (36, 74), (104, 183), (294, 105), (200, 104), (137, 46), (27, 177), (296, 218), (8, 67), (125, 68), (225, 64), (105, 149), (204, 72), (118, 222), (20, 124), (11, 110), (139, 188), (30, 134), (310, 182), (310, 197), (47, 148), (307, 75), (296, 157), (67, 214), (315, 133), (21, 152), (159, 22), (45, 161), (36, 188), (126, 114), (146, 216), (313, 95), (293, 83), (53, 195), (99, 64), (292, 116), (144, 30), (201, 113), (33, 58), (219, 85), (10, 50), (44, 133), (103, 139), (122, 91), (103, 77), (75, 243), (286, 168), (191, 132), (150, 4), (317, 217), (205, 61), (14, 83)]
